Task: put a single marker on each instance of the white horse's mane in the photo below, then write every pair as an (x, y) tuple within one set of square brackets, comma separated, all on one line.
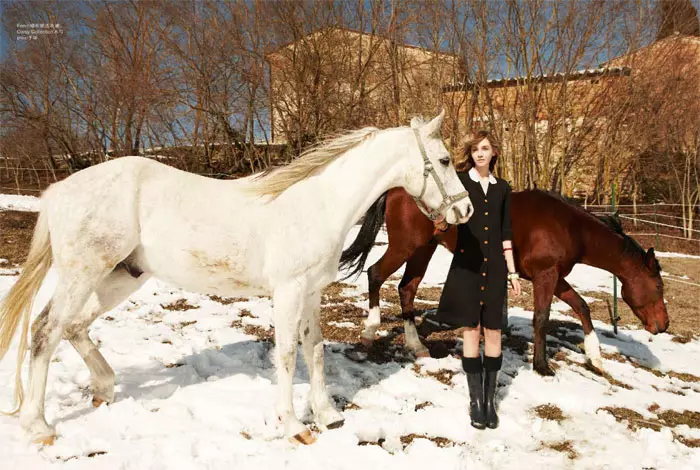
[(274, 182)]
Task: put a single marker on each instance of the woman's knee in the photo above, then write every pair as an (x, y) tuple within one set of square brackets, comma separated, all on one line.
[(492, 335)]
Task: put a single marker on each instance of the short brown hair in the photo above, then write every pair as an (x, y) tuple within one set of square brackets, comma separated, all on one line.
[(466, 162)]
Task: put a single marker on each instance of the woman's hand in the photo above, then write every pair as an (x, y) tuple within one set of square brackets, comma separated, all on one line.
[(515, 285)]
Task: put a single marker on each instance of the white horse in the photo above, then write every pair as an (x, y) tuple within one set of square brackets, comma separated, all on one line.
[(109, 228)]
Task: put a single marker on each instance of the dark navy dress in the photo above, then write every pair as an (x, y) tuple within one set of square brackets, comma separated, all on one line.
[(476, 286)]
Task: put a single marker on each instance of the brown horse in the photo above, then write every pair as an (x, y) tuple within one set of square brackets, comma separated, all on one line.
[(550, 237)]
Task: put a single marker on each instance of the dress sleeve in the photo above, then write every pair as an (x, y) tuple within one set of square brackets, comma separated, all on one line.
[(506, 228)]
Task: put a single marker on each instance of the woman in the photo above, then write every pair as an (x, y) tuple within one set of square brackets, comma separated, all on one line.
[(475, 289)]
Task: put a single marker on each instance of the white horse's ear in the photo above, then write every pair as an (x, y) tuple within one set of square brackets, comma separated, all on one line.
[(434, 126), (417, 122)]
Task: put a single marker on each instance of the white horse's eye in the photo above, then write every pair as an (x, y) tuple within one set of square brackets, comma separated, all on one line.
[(445, 161)]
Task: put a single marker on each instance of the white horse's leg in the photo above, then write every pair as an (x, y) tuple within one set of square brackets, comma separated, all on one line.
[(111, 292), (288, 305), (312, 348), (69, 298)]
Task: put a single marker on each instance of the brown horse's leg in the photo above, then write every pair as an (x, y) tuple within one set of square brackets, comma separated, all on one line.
[(413, 275), (377, 274), (544, 284), (567, 293)]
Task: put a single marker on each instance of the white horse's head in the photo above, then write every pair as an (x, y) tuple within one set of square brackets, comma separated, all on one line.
[(432, 179)]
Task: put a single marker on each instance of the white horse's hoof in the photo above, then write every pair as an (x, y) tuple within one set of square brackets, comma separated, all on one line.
[(296, 431), (596, 363), (99, 397), (330, 418), (44, 440), (305, 437), (39, 432)]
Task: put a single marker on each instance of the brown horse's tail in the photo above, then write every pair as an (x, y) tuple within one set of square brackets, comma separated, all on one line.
[(18, 303), (355, 256)]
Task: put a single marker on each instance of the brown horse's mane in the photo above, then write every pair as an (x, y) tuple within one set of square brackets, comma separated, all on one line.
[(613, 222)]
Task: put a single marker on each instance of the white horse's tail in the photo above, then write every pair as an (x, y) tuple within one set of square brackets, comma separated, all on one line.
[(18, 303)]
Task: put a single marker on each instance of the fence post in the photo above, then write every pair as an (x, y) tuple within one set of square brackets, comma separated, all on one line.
[(614, 312), (656, 231)]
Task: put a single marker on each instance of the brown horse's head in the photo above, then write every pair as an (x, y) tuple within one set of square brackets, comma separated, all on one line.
[(643, 291)]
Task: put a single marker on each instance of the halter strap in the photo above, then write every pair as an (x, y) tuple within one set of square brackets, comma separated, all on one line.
[(428, 169)]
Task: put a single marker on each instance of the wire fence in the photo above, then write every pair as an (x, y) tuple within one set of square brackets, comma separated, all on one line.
[(659, 225), (666, 227)]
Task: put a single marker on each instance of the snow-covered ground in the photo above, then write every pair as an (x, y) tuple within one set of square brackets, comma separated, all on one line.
[(19, 203), (195, 392)]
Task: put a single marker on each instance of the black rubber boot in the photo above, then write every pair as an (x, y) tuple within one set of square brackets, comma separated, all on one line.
[(473, 368), (491, 367)]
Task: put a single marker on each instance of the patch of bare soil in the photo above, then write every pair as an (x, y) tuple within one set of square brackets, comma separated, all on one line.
[(16, 229), (634, 419), (565, 447), (429, 293), (227, 300), (333, 293), (439, 441), (262, 333), (550, 412), (443, 376), (667, 418), (179, 306), (425, 404), (341, 313)]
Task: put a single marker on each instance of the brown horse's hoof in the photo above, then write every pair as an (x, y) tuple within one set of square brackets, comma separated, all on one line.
[(97, 402), (366, 342), (45, 440), (304, 437), (543, 369)]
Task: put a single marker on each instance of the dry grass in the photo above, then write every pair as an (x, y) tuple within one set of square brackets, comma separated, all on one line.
[(227, 300), (634, 419), (261, 333), (443, 376), (664, 419), (423, 405), (674, 418), (429, 293), (687, 441), (333, 293), (179, 306), (342, 312), (550, 412), (565, 447), (439, 441)]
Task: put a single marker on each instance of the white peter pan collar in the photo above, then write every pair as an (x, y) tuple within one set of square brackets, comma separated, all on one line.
[(474, 175)]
